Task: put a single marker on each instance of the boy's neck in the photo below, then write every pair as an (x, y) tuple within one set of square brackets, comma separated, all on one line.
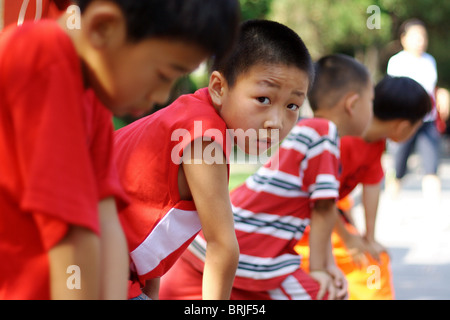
[(331, 116), (377, 130), (75, 35)]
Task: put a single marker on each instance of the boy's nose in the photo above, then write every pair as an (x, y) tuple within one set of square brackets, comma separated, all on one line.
[(159, 96), (275, 119)]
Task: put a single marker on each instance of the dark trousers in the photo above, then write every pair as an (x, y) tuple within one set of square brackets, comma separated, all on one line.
[(426, 142)]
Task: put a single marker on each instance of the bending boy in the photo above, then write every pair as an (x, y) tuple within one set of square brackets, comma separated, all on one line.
[(297, 187), (396, 117), (59, 187)]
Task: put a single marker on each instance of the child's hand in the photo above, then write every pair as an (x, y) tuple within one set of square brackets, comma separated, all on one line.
[(326, 284), (377, 247), (360, 248), (357, 247), (339, 282)]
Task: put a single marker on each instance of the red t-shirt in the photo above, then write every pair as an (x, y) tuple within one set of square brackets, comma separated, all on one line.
[(15, 11), (158, 224), (361, 163), (55, 154)]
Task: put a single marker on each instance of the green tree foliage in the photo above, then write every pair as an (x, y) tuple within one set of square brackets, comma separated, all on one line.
[(329, 26), (254, 9), (435, 14)]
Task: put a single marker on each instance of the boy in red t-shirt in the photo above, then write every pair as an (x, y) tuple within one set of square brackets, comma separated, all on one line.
[(60, 236), (298, 186), (399, 106), (181, 186)]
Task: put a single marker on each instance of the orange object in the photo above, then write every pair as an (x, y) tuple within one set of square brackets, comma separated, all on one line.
[(369, 282), (346, 203)]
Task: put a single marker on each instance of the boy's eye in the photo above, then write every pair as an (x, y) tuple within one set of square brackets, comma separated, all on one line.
[(163, 78), (263, 100), (293, 107)]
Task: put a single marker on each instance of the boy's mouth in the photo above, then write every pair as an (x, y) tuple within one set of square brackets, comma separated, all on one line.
[(266, 142)]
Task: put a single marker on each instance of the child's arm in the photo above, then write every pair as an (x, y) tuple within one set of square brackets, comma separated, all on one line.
[(114, 253), (370, 199), (80, 247), (323, 218), (151, 288), (340, 283), (354, 242), (208, 184)]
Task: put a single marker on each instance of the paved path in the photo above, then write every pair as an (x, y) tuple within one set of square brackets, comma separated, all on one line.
[(417, 235)]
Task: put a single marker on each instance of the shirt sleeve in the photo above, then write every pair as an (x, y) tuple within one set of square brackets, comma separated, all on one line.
[(321, 171), (51, 230), (374, 173), (107, 177), (51, 143), (394, 67)]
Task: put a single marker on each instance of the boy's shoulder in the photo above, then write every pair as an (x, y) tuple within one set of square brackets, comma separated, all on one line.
[(38, 44), (191, 112), (359, 145), (42, 31), (190, 107), (320, 126)]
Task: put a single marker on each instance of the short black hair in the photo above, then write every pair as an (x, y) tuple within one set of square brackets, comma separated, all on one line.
[(210, 24), (265, 42), (400, 98), (336, 74), (404, 27)]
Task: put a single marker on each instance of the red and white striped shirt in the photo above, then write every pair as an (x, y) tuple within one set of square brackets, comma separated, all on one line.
[(273, 207)]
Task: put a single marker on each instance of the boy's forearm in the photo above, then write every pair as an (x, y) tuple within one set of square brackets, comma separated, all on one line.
[(114, 255), (330, 256), (323, 219), (340, 229), (370, 199), (220, 269), (75, 266)]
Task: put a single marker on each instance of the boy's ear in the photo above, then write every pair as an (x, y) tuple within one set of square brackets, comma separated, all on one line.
[(104, 24), (217, 88), (349, 102), (401, 125), (402, 129)]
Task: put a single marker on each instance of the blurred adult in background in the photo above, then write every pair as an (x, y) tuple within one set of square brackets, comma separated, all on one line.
[(414, 62)]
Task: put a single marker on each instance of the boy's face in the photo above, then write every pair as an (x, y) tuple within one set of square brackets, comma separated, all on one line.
[(264, 103), (135, 76), (128, 77), (404, 130)]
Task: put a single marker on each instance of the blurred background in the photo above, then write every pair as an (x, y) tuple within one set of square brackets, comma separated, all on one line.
[(350, 27)]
